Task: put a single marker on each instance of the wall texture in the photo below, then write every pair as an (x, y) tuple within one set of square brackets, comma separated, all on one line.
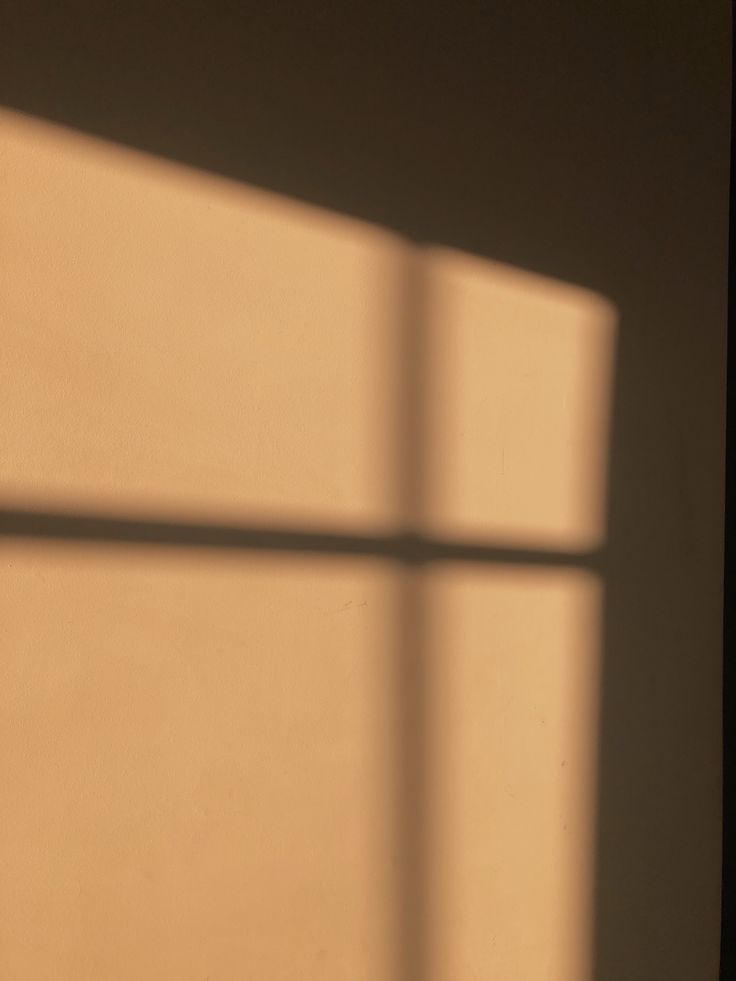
[(362, 400)]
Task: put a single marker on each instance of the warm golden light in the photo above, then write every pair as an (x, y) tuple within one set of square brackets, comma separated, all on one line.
[(512, 722), (362, 745), (520, 403), (180, 343)]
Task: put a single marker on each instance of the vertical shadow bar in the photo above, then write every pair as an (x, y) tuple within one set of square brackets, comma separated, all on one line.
[(411, 658), (411, 801)]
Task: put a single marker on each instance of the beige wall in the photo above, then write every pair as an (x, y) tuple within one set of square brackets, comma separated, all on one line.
[(294, 743)]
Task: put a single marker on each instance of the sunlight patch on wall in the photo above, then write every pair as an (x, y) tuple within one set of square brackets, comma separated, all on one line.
[(202, 749), (178, 343), (194, 755), (519, 403), (512, 720)]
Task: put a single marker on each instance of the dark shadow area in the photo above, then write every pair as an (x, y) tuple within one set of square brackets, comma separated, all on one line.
[(581, 141), (407, 547), (728, 894)]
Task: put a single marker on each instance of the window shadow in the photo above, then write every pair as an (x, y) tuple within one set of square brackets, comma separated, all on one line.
[(589, 145)]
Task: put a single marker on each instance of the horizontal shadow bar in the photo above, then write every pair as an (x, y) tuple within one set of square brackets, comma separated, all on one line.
[(408, 548)]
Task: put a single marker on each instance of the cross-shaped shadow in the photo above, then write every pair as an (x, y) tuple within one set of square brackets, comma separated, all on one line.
[(587, 147), (408, 547)]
